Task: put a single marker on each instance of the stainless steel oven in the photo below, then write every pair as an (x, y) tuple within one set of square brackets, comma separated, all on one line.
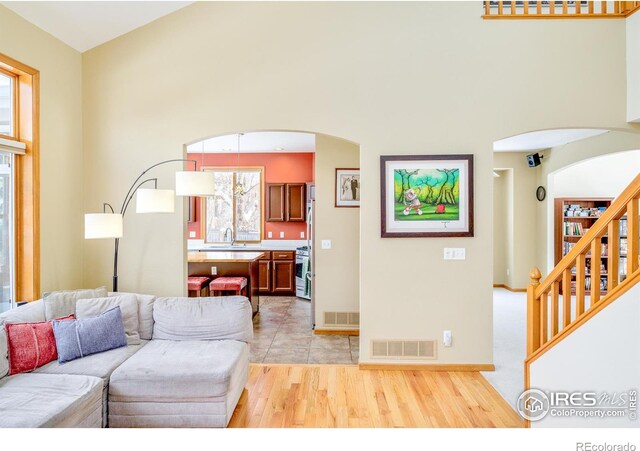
[(303, 273)]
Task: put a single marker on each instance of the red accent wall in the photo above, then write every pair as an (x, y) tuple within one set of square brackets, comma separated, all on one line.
[(278, 168)]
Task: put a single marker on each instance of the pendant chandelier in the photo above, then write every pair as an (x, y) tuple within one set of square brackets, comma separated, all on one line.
[(239, 188)]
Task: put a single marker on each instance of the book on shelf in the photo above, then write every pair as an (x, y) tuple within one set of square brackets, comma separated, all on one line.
[(573, 229), (577, 210)]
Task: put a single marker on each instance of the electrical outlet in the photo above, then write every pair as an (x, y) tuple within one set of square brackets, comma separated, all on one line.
[(302, 235), (454, 253), (326, 244), (214, 270), (281, 234), (192, 234), (269, 234), (446, 338)]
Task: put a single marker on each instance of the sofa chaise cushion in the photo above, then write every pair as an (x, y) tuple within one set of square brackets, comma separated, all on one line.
[(98, 365), (179, 384), (45, 400), (219, 318)]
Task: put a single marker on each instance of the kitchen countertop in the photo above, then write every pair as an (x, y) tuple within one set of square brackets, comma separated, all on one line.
[(274, 245), (223, 257)]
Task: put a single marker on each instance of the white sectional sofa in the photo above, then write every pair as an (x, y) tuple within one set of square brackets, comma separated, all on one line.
[(188, 369)]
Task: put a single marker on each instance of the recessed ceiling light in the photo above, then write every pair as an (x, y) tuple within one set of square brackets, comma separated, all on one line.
[(279, 148)]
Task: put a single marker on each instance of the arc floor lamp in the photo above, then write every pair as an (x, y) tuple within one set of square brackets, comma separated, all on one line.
[(148, 200)]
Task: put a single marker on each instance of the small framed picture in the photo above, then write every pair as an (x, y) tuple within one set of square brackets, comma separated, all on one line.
[(426, 196), (347, 187)]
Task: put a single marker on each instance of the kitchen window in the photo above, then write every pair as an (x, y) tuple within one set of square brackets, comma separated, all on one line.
[(235, 213), (8, 111)]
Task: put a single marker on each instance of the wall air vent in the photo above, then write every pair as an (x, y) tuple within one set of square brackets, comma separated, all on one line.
[(341, 318), (404, 349)]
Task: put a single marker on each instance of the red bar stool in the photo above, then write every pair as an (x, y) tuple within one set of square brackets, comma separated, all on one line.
[(236, 284), (196, 284)]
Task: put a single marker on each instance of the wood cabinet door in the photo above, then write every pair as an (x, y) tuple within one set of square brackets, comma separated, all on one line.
[(283, 273), (264, 276), (296, 204), (276, 202)]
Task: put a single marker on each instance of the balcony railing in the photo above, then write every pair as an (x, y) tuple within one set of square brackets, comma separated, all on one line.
[(559, 9)]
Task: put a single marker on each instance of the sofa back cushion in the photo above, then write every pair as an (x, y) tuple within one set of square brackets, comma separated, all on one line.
[(145, 313), (83, 337), (87, 308), (219, 318), (4, 359), (63, 303), (31, 345), (31, 312)]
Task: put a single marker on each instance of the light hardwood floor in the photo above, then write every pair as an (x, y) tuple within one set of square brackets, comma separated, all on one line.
[(345, 396)]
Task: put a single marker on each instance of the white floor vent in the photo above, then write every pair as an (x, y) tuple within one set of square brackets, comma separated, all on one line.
[(404, 349), (341, 318)]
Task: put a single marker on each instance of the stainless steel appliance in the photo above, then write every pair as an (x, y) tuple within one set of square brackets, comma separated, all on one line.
[(303, 273)]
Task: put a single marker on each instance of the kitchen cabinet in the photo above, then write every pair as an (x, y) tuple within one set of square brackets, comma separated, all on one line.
[(276, 202), (286, 202), (277, 273), (264, 273)]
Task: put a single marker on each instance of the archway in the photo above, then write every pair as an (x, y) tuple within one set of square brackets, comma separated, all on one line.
[(287, 331)]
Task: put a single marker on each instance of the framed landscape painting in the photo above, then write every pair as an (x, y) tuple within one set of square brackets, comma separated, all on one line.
[(426, 196), (347, 187)]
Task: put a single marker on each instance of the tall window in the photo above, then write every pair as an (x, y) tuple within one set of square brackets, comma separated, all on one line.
[(6, 231), (7, 104), (234, 213), (19, 182)]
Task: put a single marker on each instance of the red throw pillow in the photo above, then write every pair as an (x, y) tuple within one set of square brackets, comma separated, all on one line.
[(31, 345)]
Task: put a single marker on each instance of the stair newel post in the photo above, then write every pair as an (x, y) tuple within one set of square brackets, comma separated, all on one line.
[(533, 312)]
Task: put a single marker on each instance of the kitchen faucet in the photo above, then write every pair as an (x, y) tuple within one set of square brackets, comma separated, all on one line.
[(230, 230)]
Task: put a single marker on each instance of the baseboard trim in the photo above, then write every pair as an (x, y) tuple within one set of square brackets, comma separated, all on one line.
[(351, 332), (507, 287), (429, 367)]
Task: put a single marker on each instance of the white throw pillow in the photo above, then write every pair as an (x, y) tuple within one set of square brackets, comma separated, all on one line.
[(128, 304), (58, 304)]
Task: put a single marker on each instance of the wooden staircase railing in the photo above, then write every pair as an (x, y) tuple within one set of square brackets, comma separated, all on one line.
[(548, 320), (559, 9)]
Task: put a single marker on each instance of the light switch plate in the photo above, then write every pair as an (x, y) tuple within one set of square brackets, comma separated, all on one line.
[(192, 234), (281, 234), (326, 244), (214, 270), (455, 253), (269, 234), (302, 235)]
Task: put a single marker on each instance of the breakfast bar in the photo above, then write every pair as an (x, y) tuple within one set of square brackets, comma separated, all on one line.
[(228, 264)]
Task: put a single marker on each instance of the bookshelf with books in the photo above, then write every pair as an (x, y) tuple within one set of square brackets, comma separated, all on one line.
[(572, 218)]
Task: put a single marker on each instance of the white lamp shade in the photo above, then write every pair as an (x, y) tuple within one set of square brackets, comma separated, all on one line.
[(195, 183), (102, 225), (155, 201)]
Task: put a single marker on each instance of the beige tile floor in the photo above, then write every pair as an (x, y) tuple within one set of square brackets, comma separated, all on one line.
[(283, 334)]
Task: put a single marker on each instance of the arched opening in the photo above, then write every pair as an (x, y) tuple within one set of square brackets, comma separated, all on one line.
[(286, 198), (575, 163)]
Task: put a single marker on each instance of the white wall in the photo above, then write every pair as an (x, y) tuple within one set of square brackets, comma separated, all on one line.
[(395, 77), (521, 210), (633, 67), (337, 282), (604, 176), (601, 356), (61, 174)]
